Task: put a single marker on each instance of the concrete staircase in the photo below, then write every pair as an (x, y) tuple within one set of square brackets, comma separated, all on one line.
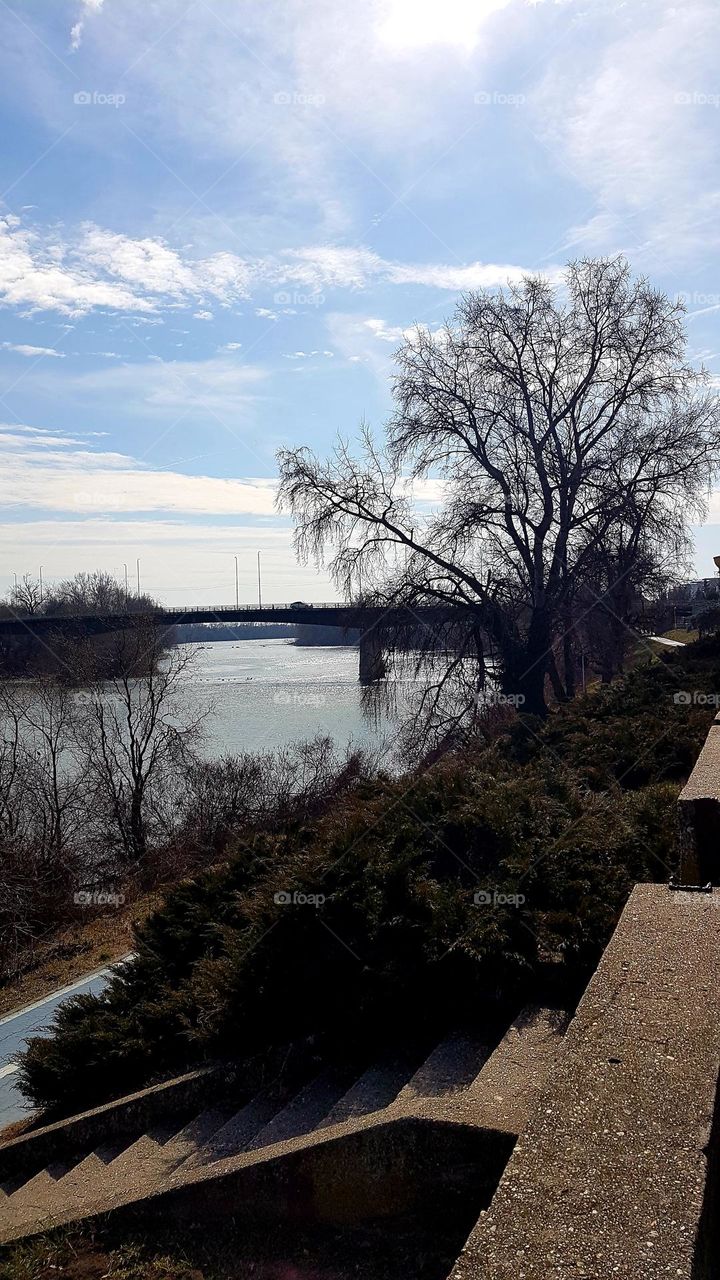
[(463, 1081)]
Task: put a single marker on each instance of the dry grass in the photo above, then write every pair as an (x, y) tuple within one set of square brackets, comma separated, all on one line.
[(69, 954), (378, 1251)]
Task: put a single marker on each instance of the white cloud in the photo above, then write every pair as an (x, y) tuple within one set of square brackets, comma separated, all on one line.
[(393, 333), (105, 270), (410, 24), (477, 275), (633, 120), (101, 269), (219, 386), (76, 33), (329, 266), (150, 265), (365, 340), (24, 349), (369, 340), (33, 274), (56, 473), (307, 355)]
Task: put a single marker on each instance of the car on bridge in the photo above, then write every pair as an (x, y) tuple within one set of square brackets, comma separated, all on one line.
[(300, 604)]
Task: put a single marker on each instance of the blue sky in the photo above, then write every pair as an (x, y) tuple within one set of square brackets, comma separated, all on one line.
[(218, 218)]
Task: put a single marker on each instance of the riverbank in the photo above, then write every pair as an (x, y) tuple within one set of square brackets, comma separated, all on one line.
[(409, 897), (69, 954)]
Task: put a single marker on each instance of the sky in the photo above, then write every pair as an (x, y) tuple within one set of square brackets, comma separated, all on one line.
[(217, 219)]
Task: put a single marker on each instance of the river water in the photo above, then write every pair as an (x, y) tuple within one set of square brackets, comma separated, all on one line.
[(266, 694)]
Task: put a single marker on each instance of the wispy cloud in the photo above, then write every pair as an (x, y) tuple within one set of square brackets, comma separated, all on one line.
[(634, 119), (87, 7), (219, 386), (58, 473), (26, 349), (97, 269)]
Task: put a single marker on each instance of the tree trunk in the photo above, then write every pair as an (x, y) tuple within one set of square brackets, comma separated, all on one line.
[(525, 666), (569, 657)]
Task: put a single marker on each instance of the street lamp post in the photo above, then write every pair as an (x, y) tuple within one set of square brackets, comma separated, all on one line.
[(259, 587), (127, 589), (237, 589), (41, 584), (137, 566)]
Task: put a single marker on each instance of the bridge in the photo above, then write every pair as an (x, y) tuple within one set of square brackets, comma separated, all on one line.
[(347, 617)]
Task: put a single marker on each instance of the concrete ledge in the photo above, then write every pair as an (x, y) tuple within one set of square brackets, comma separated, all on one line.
[(609, 1179), (699, 816), (126, 1117)]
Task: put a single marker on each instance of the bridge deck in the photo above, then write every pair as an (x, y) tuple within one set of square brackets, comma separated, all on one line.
[(320, 615)]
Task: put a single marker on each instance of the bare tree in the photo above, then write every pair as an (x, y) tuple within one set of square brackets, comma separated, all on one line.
[(138, 736), (550, 420), (49, 723), (96, 592), (44, 814), (26, 596)]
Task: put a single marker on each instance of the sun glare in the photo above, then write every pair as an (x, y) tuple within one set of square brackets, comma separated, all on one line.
[(414, 23)]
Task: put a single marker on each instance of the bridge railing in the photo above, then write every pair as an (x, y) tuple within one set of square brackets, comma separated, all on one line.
[(256, 608), (184, 610)]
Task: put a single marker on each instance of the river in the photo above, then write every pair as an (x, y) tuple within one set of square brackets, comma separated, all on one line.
[(268, 693)]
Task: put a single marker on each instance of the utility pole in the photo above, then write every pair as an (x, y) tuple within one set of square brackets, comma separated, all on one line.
[(137, 565), (259, 587), (237, 591)]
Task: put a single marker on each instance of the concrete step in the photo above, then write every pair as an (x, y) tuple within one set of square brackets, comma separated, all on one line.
[(374, 1090), (504, 1091), (449, 1069), (141, 1166), (72, 1183), (195, 1135), (80, 1187), (236, 1133), (305, 1111), (35, 1200)]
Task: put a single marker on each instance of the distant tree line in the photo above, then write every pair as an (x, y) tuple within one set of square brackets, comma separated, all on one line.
[(98, 592), (204, 632), (302, 633)]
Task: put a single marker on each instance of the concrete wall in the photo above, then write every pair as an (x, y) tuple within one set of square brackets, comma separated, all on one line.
[(699, 816), (129, 1117), (614, 1176), (383, 1170)]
